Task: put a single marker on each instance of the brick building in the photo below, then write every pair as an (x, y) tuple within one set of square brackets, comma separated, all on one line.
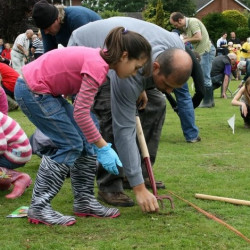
[(205, 7)]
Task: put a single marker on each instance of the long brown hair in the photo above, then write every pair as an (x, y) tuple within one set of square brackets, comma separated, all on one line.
[(119, 40)]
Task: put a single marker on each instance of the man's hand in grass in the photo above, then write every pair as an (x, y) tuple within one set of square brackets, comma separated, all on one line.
[(145, 199)]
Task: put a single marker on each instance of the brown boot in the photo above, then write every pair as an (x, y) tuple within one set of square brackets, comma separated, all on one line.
[(116, 198), (19, 180), (159, 184)]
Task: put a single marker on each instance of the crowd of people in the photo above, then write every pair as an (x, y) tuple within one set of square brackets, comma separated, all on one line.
[(229, 59), (116, 69)]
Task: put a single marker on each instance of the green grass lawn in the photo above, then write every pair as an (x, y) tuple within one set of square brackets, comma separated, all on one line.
[(218, 165)]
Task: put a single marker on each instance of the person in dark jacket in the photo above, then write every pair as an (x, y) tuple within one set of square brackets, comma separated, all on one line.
[(58, 22), (221, 71)]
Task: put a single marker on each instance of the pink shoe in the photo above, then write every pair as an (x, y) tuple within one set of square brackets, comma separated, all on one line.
[(20, 184), (20, 181)]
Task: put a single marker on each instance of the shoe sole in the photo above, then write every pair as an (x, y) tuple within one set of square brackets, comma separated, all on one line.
[(96, 216), (35, 221), (116, 204), (194, 141)]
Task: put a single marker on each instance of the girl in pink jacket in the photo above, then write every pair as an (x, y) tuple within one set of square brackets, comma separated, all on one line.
[(69, 71)]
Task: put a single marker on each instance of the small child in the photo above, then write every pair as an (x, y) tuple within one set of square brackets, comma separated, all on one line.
[(6, 52), (15, 151), (231, 48), (242, 99), (238, 51)]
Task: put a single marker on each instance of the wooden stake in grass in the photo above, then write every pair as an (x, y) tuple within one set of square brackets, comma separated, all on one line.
[(218, 198)]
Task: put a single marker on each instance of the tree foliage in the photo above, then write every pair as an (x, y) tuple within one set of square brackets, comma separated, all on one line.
[(157, 10), (217, 24), (240, 23), (159, 17), (243, 33), (110, 13), (115, 5), (227, 21), (149, 13), (239, 19), (15, 18), (187, 7), (246, 2), (95, 5)]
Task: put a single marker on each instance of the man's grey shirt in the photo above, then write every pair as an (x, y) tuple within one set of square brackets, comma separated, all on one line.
[(125, 92)]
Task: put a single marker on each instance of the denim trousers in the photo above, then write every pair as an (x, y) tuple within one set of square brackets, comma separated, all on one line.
[(5, 163), (186, 112), (54, 117), (206, 65)]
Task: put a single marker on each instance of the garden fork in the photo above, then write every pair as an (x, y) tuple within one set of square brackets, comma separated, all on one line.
[(146, 158)]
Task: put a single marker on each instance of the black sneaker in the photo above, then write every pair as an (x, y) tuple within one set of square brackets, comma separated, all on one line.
[(246, 125), (195, 140)]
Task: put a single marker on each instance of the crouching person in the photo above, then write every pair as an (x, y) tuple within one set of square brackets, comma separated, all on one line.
[(221, 71), (242, 99), (70, 71), (15, 151)]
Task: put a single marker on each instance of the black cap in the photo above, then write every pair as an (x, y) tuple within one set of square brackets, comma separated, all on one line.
[(44, 14)]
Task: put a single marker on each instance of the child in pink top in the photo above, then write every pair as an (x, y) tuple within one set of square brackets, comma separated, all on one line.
[(3, 101), (15, 151), (14, 144), (70, 71)]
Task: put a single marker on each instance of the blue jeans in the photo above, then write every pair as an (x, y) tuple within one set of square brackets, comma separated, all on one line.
[(206, 65), (5, 163), (54, 117), (186, 112)]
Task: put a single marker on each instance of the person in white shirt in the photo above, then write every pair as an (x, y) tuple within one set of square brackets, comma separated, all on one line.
[(222, 45), (20, 50)]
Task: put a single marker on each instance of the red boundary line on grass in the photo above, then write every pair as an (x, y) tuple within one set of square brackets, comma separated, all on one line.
[(213, 217)]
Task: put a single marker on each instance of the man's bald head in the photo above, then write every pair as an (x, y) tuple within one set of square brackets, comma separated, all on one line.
[(177, 64), (29, 33)]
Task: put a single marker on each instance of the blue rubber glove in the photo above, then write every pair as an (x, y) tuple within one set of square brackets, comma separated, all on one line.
[(108, 158)]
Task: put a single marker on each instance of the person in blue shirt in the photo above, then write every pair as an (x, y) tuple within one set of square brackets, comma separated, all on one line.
[(58, 22)]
